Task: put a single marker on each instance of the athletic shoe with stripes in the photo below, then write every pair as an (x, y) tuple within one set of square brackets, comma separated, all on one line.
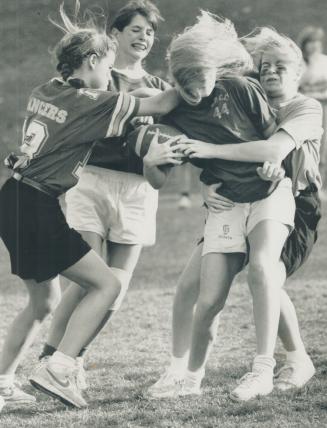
[(62, 386)]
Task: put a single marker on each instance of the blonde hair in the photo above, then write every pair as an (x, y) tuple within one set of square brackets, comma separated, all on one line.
[(80, 40), (212, 43), (264, 39)]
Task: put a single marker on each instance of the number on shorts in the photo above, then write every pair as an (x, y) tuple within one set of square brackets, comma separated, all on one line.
[(34, 137)]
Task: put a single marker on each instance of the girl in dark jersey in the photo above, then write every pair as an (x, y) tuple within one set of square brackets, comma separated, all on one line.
[(299, 121), (64, 118), (113, 173)]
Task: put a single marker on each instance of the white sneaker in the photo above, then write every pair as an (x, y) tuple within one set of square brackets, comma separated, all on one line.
[(165, 384), (2, 403), (252, 385), (294, 374), (184, 202), (81, 374), (13, 395), (62, 386)]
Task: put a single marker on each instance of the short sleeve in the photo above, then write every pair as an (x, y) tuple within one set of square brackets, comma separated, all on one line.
[(104, 114), (304, 122), (253, 98)]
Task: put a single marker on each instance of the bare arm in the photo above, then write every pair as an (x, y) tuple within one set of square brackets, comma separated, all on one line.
[(274, 150), (156, 176), (162, 103)]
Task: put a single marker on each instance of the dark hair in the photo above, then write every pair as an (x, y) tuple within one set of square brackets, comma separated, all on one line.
[(136, 7), (79, 42)]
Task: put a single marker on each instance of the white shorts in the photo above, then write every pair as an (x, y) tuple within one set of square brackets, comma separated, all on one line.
[(227, 232), (120, 207)]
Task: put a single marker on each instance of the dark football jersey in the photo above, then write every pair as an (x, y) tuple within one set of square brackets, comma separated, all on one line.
[(61, 126), (237, 111), (116, 155)]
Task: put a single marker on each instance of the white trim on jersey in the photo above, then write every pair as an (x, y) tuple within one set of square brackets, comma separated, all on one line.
[(139, 140), (124, 108)]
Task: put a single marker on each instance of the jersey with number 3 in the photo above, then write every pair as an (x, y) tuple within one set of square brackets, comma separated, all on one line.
[(60, 129)]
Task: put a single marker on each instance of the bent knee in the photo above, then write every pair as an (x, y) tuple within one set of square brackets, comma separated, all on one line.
[(45, 307), (210, 307), (261, 272)]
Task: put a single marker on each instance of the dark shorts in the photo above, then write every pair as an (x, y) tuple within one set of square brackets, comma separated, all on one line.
[(301, 241), (34, 229)]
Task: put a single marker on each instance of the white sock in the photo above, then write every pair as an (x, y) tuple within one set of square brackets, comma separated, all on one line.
[(297, 355), (60, 362), (195, 377), (6, 380), (263, 363), (179, 364)]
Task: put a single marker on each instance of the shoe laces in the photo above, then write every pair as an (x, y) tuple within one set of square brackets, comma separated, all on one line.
[(249, 378)]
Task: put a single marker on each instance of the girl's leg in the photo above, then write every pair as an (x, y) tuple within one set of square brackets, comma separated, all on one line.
[(183, 308), (122, 259), (58, 376), (266, 278), (217, 274), (298, 368), (187, 292), (43, 298), (70, 299)]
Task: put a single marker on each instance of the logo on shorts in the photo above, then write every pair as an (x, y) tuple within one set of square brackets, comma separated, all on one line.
[(226, 229)]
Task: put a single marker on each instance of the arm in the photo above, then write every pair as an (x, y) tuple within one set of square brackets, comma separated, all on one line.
[(161, 104), (274, 150), (156, 176)]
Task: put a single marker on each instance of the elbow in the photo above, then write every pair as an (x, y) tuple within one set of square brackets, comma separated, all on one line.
[(157, 185)]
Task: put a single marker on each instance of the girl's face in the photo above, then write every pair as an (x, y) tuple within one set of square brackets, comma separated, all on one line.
[(199, 87), (279, 72), (312, 47), (136, 39), (100, 70)]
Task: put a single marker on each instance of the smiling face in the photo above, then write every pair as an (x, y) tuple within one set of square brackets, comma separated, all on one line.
[(279, 72), (136, 39)]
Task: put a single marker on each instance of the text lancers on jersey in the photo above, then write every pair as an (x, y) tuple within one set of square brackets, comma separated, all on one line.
[(48, 110)]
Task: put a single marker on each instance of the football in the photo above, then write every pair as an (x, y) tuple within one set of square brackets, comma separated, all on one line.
[(140, 139)]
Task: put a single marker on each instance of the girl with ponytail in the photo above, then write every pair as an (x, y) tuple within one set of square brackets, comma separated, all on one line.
[(64, 118)]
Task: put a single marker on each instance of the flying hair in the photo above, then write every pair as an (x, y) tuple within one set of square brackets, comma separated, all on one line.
[(264, 39), (81, 39), (211, 43)]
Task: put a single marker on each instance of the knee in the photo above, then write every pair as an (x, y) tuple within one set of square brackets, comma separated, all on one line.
[(46, 306), (187, 290), (210, 307), (260, 273)]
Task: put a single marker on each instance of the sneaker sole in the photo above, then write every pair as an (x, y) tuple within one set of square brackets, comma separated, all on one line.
[(53, 392)]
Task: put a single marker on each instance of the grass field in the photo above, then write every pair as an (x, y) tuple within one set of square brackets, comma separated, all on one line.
[(132, 351)]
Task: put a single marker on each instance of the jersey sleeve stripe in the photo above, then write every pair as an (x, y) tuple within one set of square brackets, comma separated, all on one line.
[(125, 108)]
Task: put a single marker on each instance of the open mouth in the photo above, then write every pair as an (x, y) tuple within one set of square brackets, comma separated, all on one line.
[(272, 80), (139, 47)]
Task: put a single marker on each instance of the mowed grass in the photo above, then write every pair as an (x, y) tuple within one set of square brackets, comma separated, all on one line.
[(134, 348)]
